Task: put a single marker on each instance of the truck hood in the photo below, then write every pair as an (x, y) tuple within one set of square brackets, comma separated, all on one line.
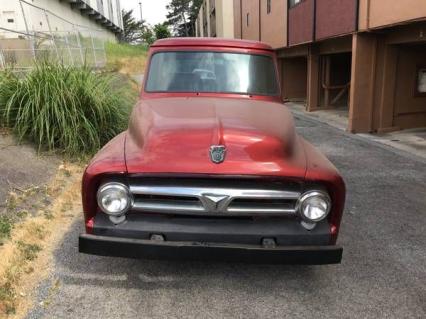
[(174, 135)]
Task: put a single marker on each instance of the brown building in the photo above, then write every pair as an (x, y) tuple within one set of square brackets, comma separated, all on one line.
[(364, 56), (216, 19)]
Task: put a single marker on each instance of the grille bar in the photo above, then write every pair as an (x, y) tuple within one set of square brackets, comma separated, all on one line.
[(213, 201)]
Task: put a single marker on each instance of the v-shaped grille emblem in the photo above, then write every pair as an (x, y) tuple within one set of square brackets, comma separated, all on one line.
[(214, 203)]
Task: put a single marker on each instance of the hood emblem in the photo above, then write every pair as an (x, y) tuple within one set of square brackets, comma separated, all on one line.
[(217, 153)]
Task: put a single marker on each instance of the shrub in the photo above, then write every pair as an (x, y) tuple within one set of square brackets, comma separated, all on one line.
[(64, 108)]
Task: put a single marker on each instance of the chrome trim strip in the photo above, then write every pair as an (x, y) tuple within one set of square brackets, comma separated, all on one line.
[(200, 191), (262, 211), (157, 207)]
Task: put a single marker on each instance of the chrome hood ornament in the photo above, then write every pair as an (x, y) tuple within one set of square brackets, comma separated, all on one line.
[(217, 153)]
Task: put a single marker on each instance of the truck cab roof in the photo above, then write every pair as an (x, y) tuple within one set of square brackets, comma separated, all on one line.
[(212, 42)]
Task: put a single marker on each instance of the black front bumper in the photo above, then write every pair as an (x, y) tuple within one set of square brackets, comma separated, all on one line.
[(220, 239), (142, 248)]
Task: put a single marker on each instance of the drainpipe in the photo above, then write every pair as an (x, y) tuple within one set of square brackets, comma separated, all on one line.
[(241, 18), (368, 14), (260, 21), (372, 85)]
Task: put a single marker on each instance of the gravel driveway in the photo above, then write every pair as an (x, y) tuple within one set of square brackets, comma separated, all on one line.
[(383, 273)]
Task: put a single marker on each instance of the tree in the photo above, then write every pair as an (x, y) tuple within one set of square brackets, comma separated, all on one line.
[(132, 29), (148, 36), (161, 31), (182, 15)]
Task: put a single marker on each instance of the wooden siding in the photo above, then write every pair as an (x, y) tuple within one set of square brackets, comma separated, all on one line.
[(335, 17), (301, 22), (273, 26), (250, 20)]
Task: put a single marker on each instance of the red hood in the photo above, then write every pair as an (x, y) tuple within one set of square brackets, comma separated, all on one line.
[(174, 135)]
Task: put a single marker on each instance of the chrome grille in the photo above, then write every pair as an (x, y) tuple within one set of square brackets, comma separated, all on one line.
[(213, 199)]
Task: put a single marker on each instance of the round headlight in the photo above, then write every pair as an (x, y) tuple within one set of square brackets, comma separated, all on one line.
[(314, 206), (114, 199)]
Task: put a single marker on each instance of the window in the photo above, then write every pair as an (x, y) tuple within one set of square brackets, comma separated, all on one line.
[(212, 72), (421, 81), (10, 20), (268, 6), (293, 3), (248, 18)]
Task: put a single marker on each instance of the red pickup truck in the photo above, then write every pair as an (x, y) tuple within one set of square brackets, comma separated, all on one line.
[(211, 166)]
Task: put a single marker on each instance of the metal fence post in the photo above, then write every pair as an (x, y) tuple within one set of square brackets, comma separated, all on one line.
[(51, 34), (79, 44), (93, 46), (27, 29), (69, 50), (2, 60), (104, 51)]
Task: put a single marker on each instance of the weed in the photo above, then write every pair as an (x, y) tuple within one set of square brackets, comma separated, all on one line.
[(22, 213), (38, 231), (5, 228), (28, 251), (6, 292), (7, 299), (12, 201), (48, 215)]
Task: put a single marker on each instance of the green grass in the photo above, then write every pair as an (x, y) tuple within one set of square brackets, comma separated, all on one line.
[(123, 50), (5, 228), (73, 110), (126, 58)]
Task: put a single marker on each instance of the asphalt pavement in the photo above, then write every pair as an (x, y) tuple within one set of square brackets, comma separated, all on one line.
[(382, 275)]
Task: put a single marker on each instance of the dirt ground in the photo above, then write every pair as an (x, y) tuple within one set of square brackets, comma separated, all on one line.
[(21, 167)]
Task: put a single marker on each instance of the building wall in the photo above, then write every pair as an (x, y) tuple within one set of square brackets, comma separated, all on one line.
[(380, 13), (301, 22), (250, 19), (335, 17), (409, 108), (216, 19), (225, 18), (273, 25), (212, 13), (199, 24), (37, 21), (205, 11), (237, 19), (322, 44), (228, 18), (384, 72), (293, 78)]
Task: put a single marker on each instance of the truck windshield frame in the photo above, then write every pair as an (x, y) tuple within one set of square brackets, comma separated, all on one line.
[(217, 72)]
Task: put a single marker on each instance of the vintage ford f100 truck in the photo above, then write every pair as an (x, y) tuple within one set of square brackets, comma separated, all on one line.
[(211, 166)]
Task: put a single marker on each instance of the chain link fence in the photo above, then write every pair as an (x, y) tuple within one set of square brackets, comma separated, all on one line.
[(53, 38)]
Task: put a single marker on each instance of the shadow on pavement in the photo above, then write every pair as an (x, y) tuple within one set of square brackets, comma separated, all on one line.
[(81, 269)]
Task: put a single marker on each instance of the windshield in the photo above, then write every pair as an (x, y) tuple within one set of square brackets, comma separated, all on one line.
[(212, 72)]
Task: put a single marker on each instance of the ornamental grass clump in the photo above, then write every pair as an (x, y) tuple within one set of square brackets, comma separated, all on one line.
[(73, 110)]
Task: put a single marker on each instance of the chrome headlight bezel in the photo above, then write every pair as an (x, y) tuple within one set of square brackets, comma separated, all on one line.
[(308, 196), (120, 187)]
